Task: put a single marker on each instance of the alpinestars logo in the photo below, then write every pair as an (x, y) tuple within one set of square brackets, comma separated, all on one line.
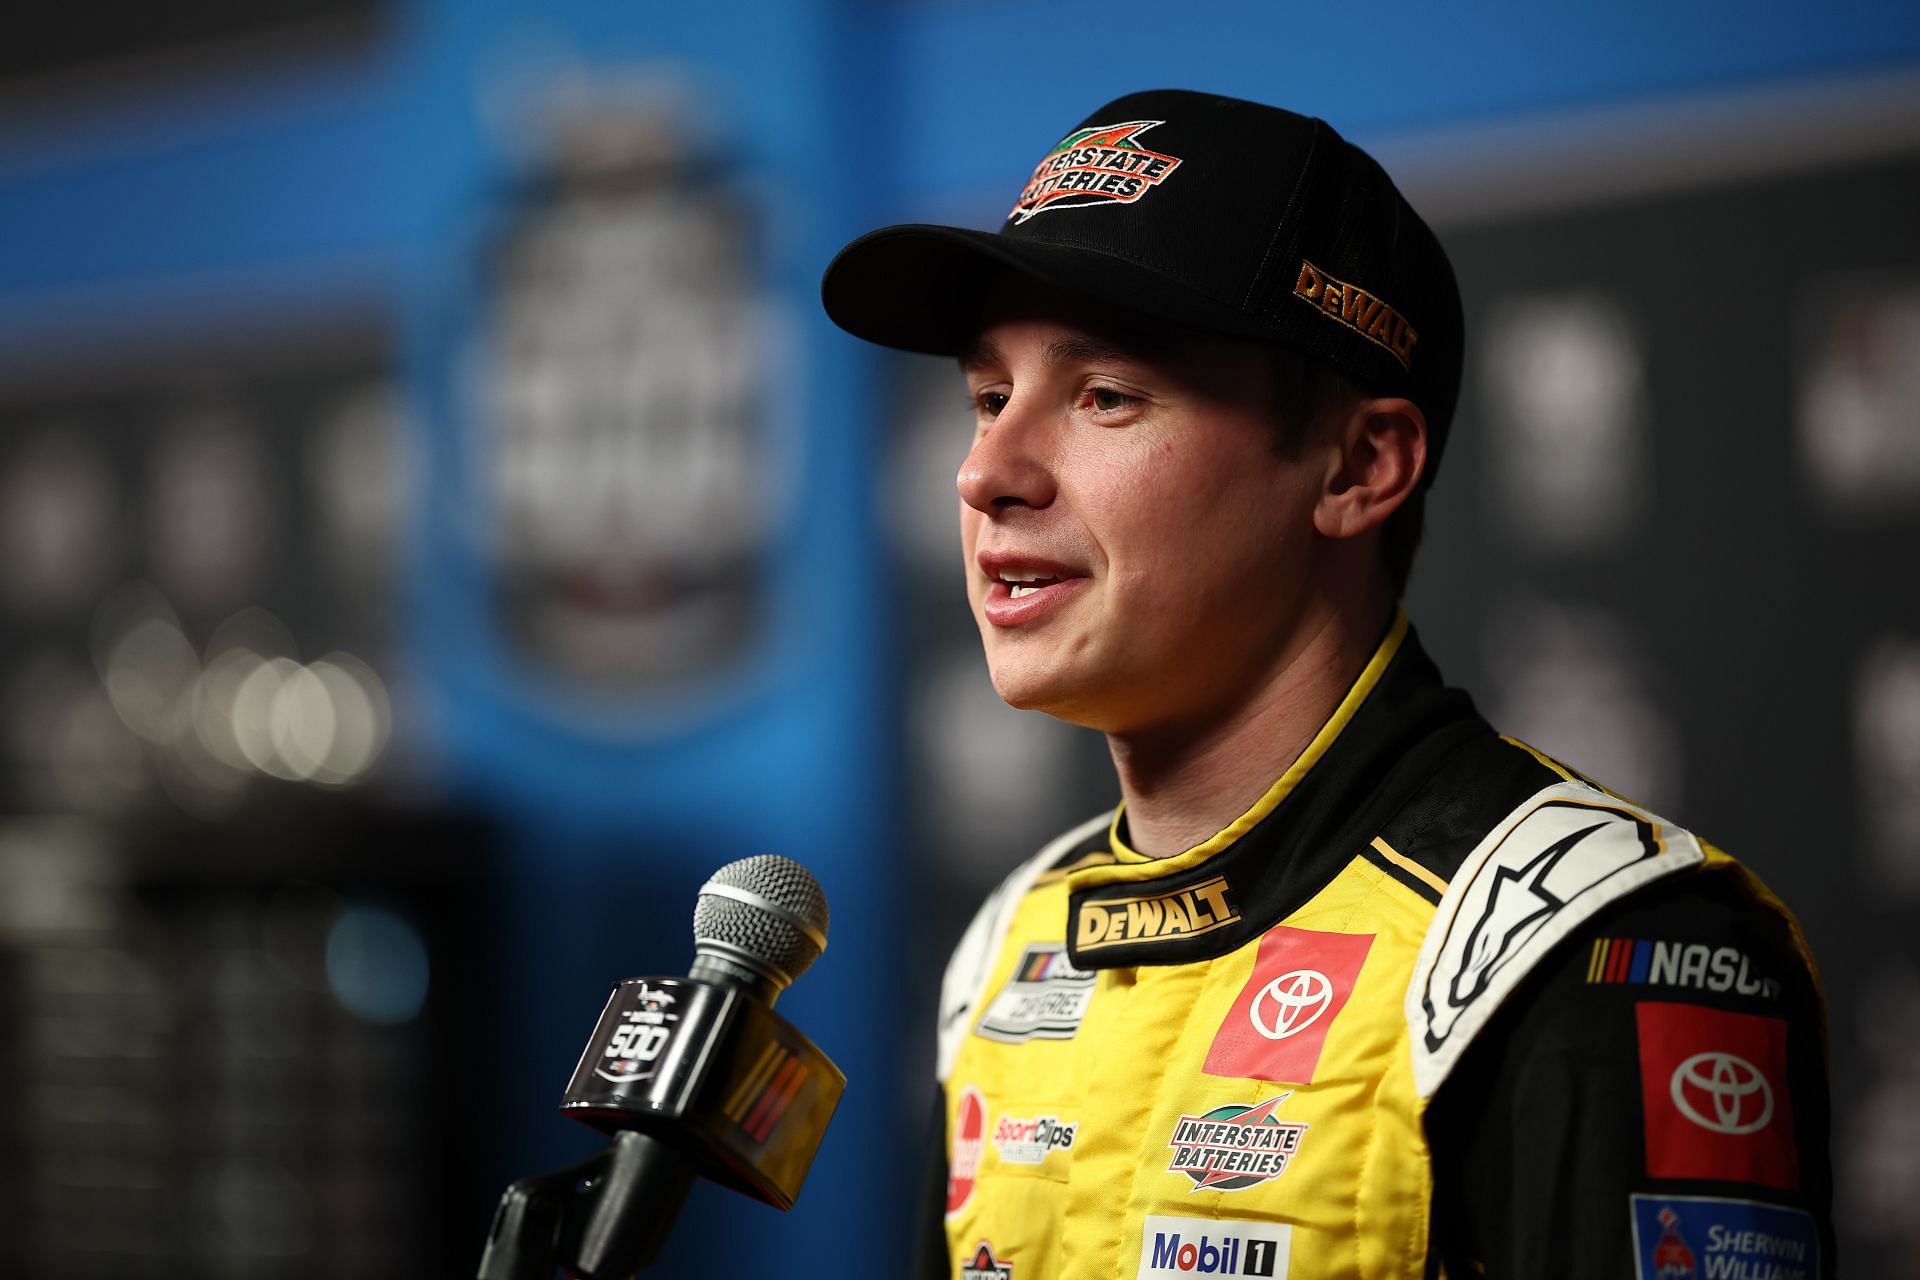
[(1232, 1148), (984, 1266), (1103, 164)]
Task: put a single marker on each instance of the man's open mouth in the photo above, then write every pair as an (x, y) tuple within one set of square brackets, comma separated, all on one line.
[(1025, 584)]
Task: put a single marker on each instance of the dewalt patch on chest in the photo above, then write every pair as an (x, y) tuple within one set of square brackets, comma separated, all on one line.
[(1185, 912)]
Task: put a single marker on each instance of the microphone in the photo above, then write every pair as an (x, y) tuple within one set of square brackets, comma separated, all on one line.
[(759, 922), (693, 1076)]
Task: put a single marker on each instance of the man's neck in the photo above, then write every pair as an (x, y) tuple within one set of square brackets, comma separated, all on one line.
[(1183, 783)]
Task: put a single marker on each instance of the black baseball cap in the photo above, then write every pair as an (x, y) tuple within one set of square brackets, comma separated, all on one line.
[(1210, 213)]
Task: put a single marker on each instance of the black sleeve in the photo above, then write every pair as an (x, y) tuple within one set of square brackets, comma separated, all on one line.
[(1608, 1122), (931, 1262)]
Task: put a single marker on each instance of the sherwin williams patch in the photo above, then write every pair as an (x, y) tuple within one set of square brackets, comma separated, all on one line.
[(1703, 1238)]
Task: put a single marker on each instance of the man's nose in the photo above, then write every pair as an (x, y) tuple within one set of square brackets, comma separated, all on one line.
[(1008, 464)]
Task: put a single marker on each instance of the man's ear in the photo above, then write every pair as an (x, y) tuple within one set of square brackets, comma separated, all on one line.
[(1380, 453)]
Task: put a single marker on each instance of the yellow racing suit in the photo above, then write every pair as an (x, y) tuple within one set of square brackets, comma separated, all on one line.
[(1433, 1005)]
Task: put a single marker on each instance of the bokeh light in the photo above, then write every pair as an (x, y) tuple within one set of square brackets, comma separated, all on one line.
[(377, 966)]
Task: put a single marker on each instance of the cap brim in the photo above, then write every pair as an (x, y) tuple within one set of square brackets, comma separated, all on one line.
[(920, 287)]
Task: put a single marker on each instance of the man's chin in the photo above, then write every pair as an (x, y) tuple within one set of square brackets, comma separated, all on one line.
[(1024, 688), (1019, 692), (1045, 692)]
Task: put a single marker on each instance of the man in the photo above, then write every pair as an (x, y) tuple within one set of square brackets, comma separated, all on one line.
[(1348, 985)]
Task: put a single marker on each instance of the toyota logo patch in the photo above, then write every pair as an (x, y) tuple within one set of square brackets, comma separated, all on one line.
[(1278, 1025), (1715, 1096), (1290, 1003), (1722, 1093)]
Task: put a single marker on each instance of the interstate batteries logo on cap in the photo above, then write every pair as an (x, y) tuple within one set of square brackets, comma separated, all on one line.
[(1102, 164), (1232, 1148)]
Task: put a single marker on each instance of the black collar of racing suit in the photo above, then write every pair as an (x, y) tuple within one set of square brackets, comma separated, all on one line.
[(1397, 726)]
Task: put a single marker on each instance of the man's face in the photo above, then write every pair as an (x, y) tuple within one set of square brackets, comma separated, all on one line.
[(1136, 549)]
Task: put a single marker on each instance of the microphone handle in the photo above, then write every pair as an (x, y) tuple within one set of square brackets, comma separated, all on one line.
[(635, 1204), (602, 1219)]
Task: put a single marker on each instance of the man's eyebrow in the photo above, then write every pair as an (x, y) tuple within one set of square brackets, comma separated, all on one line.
[(979, 354), (1092, 347), (1079, 347)]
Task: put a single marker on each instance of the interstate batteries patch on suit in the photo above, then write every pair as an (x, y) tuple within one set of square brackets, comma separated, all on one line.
[(1231, 1148)]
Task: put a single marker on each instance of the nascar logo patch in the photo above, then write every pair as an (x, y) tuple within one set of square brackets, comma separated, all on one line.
[(1102, 164)]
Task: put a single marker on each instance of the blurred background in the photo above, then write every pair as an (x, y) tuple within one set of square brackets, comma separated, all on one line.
[(437, 528)]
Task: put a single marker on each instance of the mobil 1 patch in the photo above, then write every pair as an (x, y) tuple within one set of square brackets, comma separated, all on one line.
[(1175, 1248), (1707, 1238)]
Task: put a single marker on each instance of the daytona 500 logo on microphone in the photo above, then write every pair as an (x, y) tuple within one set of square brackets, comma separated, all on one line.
[(1174, 1247)]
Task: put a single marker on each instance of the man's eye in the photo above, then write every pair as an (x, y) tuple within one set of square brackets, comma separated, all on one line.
[(1106, 399), (990, 403)]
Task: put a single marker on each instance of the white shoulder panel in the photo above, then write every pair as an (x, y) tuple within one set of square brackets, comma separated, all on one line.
[(971, 966), (1563, 854)]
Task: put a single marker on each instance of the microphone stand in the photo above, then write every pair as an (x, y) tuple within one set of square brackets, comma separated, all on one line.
[(602, 1219), (737, 1093)]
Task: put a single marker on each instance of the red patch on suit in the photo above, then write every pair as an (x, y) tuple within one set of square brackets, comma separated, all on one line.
[(1277, 1027), (1713, 1088), (963, 1156)]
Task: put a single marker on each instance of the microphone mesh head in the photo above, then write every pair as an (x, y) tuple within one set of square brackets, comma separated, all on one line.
[(776, 934)]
